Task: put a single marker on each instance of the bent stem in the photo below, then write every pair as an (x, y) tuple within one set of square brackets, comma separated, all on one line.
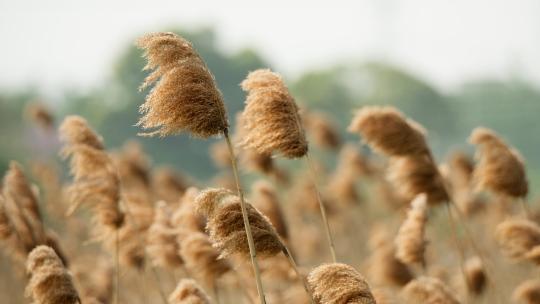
[(247, 226), (288, 254), (322, 208)]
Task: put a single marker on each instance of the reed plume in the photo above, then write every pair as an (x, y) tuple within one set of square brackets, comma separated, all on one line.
[(500, 168), (413, 175), (186, 217), (6, 229), (476, 276), (427, 290), (527, 292), (161, 239), (185, 96), (96, 181), (226, 229), (167, 185), (50, 282), (388, 131), (271, 116), (188, 292), (39, 114), (266, 200), (383, 266), (519, 239), (202, 259), (322, 130), (410, 241), (339, 283)]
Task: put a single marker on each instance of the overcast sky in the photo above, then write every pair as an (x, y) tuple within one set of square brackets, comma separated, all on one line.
[(55, 44)]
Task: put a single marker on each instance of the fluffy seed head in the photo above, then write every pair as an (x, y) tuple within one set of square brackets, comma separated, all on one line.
[(322, 130), (50, 282), (476, 276), (339, 283), (410, 240), (75, 130), (519, 239), (162, 245), (527, 292), (427, 290), (17, 188), (386, 130), (202, 259), (226, 227), (188, 292), (412, 175), (38, 113), (270, 118), (501, 168), (185, 96)]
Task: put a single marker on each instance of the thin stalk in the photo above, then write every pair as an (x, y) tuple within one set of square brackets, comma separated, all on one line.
[(288, 254), (247, 226), (322, 208), (215, 291)]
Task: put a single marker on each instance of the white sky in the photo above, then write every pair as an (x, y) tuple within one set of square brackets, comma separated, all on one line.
[(55, 44)]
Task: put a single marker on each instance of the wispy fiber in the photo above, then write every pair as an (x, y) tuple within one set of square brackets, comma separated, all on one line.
[(184, 96), (266, 200), (338, 283), (270, 117)]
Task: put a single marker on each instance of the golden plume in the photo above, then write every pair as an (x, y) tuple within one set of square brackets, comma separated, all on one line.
[(410, 241), (185, 96), (188, 292)]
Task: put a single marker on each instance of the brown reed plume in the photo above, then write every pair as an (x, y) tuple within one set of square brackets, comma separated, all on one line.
[(410, 240), (519, 239), (413, 175), (460, 177), (226, 232), (188, 292), (322, 130), (202, 259), (428, 290), (50, 282), (18, 191), (272, 125), (167, 185), (38, 113), (500, 168), (161, 239), (388, 131), (382, 265), (96, 181), (6, 229), (266, 200), (185, 96), (476, 276), (225, 226), (339, 283), (185, 216), (271, 116), (528, 292)]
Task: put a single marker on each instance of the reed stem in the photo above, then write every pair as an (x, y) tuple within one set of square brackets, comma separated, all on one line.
[(322, 208), (289, 256), (247, 226)]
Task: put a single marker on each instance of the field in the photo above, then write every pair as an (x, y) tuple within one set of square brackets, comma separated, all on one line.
[(297, 212)]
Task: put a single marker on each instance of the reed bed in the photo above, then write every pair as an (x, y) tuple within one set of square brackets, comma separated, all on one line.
[(363, 229)]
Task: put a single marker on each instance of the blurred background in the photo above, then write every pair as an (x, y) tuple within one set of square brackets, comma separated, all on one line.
[(451, 65)]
